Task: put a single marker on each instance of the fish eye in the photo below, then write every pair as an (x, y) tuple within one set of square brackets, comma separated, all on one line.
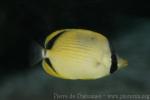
[(113, 63)]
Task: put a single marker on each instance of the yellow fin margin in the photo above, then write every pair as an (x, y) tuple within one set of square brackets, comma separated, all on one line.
[(49, 71), (52, 35)]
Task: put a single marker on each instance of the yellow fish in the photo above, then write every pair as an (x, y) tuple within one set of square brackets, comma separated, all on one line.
[(79, 54)]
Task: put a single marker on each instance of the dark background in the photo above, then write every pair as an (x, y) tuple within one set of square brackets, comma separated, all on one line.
[(125, 22)]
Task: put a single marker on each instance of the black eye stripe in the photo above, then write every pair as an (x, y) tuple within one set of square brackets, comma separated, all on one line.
[(50, 43), (114, 62), (50, 64), (114, 66)]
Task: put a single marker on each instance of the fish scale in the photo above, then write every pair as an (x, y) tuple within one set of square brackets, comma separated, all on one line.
[(76, 51)]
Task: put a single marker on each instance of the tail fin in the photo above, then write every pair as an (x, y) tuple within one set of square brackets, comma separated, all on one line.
[(36, 54)]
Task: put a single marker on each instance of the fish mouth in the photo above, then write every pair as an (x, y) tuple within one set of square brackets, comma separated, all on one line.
[(122, 62)]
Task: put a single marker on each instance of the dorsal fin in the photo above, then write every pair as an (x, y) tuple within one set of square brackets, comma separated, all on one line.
[(51, 40)]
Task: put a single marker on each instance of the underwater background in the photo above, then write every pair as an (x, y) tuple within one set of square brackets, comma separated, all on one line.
[(125, 22)]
